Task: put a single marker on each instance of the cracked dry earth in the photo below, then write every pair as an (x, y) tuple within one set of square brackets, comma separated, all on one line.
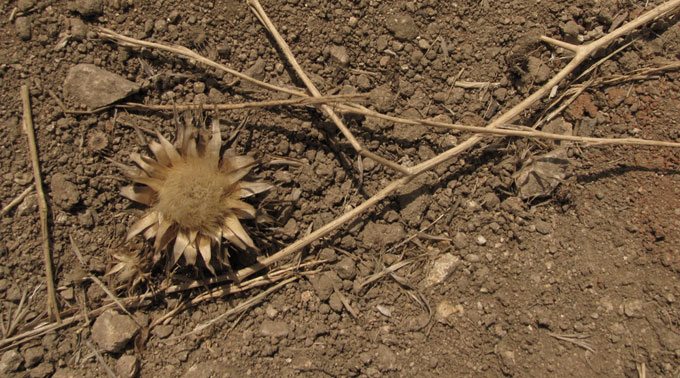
[(581, 282)]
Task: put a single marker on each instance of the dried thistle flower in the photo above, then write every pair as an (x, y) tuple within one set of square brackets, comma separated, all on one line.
[(194, 197)]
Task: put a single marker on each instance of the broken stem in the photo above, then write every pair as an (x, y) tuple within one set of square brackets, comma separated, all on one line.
[(52, 307)]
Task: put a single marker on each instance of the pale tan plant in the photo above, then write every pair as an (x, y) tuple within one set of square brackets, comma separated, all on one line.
[(131, 267), (194, 196)]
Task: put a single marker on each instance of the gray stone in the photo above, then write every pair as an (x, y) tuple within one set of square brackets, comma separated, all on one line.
[(113, 331), (87, 8), (385, 358), (335, 302), (634, 308), (163, 331), (64, 193), (377, 236), (346, 269), (67, 373), (382, 98), (381, 43), (45, 369), (339, 55), (33, 356), (446, 310), (364, 82), (215, 96), (542, 175), (160, 26), (571, 29), (213, 368), (669, 339), (256, 71), (78, 29), (10, 361), (460, 241), (441, 269), (127, 366), (25, 5), (490, 201), (95, 87), (23, 28), (543, 227), (329, 255), (272, 328), (324, 284), (402, 26), (28, 206), (538, 71)]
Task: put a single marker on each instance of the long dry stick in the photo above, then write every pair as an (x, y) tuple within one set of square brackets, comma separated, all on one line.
[(506, 130), (582, 53), (52, 307), (297, 101)]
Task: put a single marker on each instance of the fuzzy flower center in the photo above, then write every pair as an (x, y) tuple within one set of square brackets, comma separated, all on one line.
[(192, 195)]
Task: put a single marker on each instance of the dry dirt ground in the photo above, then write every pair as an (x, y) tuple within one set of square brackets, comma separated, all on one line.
[(583, 282)]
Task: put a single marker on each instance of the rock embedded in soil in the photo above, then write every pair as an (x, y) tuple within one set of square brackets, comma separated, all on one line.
[(78, 29), (543, 227), (64, 193), (22, 26), (335, 302), (324, 284), (346, 268), (541, 177), (538, 71), (113, 331), (376, 236), (339, 55), (45, 369), (10, 361), (163, 331), (33, 356), (385, 358), (382, 98), (402, 26), (446, 311), (329, 255), (96, 87), (634, 308), (87, 8), (441, 269), (25, 5), (127, 366), (256, 71), (272, 328)]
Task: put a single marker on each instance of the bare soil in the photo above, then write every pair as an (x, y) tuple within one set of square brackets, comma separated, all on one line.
[(583, 282)]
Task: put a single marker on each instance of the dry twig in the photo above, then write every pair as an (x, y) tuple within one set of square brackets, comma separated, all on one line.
[(16, 201), (574, 339), (297, 101), (101, 361), (52, 307)]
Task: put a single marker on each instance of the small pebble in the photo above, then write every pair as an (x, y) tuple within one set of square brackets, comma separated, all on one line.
[(199, 87), (480, 240), (23, 28)]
